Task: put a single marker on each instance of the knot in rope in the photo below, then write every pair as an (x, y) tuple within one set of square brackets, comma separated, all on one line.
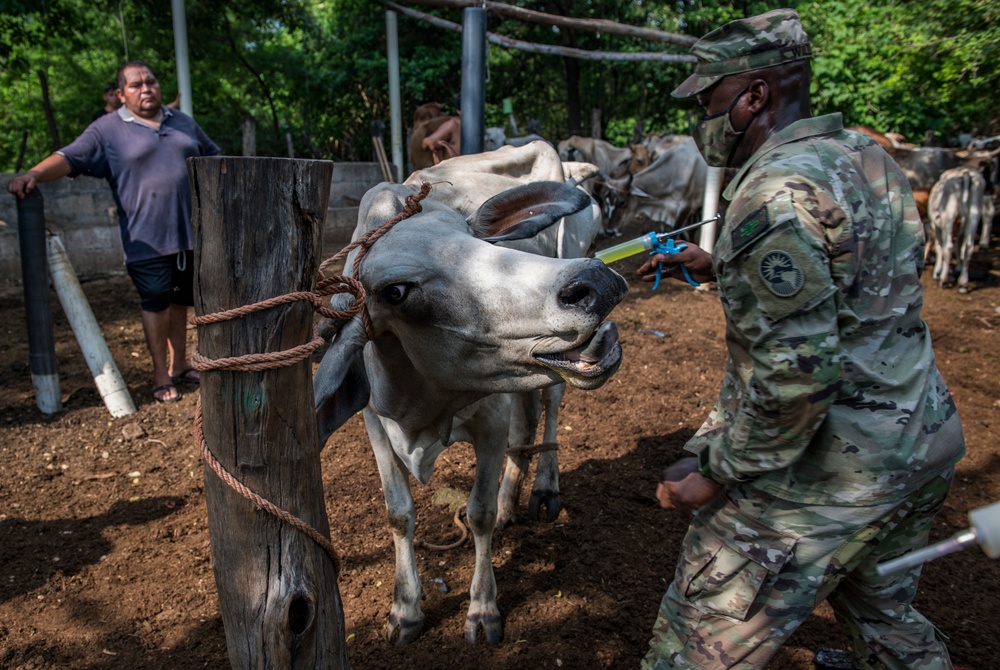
[(411, 206)]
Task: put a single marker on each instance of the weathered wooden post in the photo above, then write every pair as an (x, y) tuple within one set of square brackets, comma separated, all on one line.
[(257, 225)]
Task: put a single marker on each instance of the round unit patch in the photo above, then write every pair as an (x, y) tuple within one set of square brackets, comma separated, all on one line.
[(780, 274)]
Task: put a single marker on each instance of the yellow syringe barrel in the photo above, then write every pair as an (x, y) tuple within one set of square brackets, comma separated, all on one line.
[(626, 249)]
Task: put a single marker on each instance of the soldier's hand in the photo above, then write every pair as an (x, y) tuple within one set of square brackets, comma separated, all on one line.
[(694, 258), (683, 487)]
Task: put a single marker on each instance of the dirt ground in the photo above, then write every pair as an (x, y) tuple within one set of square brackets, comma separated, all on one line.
[(104, 545)]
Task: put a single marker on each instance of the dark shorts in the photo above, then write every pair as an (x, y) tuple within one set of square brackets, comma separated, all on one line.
[(164, 280)]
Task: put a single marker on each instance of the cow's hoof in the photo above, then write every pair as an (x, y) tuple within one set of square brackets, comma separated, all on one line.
[(547, 499), (504, 518), (403, 631), (490, 624)]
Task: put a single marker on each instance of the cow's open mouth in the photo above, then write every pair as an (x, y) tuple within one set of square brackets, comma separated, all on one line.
[(594, 360)]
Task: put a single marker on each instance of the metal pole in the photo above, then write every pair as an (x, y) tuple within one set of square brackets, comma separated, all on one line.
[(473, 79), (395, 111), (181, 52), (38, 301)]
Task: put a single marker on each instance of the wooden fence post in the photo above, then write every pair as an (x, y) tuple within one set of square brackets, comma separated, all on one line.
[(257, 225)]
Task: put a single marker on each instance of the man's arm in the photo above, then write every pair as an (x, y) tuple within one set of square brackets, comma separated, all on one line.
[(694, 258), (795, 377), (784, 310), (54, 167)]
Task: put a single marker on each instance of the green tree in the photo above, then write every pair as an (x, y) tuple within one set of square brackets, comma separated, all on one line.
[(907, 66), (316, 70)]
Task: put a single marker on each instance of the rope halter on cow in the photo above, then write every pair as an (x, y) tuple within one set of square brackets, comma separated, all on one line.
[(325, 286)]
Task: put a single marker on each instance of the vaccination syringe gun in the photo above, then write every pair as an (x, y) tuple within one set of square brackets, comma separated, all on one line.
[(984, 530), (662, 243), (644, 243)]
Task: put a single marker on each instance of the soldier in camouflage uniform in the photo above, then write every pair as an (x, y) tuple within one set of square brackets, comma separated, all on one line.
[(832, 444)]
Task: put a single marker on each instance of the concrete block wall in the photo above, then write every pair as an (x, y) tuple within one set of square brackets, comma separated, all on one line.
[(82, 212)]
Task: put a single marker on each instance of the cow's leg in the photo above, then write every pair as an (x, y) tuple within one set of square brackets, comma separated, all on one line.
[(525, 411), (938, 249), (545, 492), (969, 230), (406, 620), (989, 211), (490, 445), (944, 249)]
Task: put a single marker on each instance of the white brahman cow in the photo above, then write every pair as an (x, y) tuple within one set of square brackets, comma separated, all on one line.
[(463, 321), (957, 199), (666, 194), (612, 163)]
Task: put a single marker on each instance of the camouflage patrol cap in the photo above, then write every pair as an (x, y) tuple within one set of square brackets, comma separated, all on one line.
[(760, 41)]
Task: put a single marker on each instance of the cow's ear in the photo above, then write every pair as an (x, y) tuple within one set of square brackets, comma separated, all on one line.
[(524, 211), (341, 385)]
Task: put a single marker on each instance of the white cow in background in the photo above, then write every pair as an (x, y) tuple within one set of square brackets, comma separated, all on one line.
[(494, 138), (668, 193), (463, 320), (955, 208), (612, 163)]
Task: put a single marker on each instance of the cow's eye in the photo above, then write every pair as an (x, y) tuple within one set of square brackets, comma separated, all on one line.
[(395, 293)]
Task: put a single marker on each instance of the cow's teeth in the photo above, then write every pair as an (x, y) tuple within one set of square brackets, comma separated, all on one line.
[(597, 357), (597, 347)]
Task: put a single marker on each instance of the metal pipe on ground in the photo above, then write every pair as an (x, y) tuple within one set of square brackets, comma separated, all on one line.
[(38, 302), (81, 319)]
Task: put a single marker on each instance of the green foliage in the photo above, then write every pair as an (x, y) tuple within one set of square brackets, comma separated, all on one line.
[(907, 66), (316, 70)]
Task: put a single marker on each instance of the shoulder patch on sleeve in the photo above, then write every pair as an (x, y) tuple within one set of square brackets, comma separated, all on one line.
[(786, 274), (781, 274)]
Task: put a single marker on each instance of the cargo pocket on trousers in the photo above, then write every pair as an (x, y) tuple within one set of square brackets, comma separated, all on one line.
[(728, 557)]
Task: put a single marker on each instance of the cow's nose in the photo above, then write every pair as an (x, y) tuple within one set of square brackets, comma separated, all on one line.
[(596, 289)]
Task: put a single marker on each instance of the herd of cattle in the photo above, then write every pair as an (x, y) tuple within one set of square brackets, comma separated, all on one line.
[(658, 184)]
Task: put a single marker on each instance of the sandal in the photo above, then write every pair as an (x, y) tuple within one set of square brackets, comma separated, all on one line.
[(161, 394), (186, 377)]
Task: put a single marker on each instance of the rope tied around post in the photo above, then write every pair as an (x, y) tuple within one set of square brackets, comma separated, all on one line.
[(325, 286)]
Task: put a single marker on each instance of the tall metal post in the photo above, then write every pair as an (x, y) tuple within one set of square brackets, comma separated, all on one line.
[(395, 111), (38, 301), (181, 54), (473, 79)]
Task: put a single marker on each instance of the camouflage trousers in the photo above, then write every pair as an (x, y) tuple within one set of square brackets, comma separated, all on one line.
[(753, 567)]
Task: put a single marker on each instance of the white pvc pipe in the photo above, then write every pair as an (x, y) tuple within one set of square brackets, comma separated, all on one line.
[(710, 207), (81, 319)]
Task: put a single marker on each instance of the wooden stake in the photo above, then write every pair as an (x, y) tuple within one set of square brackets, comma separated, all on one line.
[(257, 224)]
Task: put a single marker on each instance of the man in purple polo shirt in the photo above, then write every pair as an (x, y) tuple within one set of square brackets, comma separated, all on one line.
[(142, 150)]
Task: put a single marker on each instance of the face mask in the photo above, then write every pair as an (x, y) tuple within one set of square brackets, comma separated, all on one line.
[(715, 136)]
